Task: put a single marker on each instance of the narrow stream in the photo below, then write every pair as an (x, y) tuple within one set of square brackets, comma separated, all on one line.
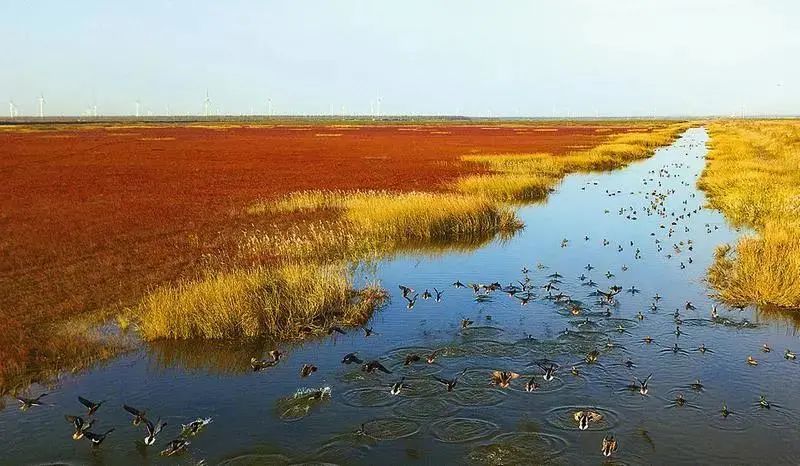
[(605, 219)]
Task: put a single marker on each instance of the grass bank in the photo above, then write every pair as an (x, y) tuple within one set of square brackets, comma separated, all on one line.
[(529, 177), (753, 177), (306, 284)]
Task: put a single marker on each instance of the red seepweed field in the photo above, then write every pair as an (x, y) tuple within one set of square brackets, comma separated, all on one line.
[(93, 216)]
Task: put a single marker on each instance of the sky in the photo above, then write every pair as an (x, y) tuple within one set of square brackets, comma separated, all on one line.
[(477, 58)]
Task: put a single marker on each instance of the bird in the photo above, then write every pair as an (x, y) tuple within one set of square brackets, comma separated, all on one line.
[(372, 366), (762, 401), (28, 403), (450, 384), (97, 439), (432, 357), (138, 415), (458, 284), (642, 384), (397, 386), (406, 290), (411, 302), (80, 425), (261, 364), (531, 385), (175, 447), (790, 355), (411, 358), (549, 371), (725, 411), (90, 405), (503, 378), (351, 358), (307, 370), (752, 361), (368, 331), (765, 348), (337, 329), (438, 294), (583, 418), (153, 430), (194, 427), (609, 445), (592, 356), (466, 323)]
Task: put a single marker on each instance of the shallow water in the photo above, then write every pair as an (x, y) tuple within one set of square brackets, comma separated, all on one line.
[(255, 420)]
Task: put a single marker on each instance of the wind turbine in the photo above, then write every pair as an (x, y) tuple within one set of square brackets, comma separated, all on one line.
[(138, 106), (206, 103), (12, 109), (269, 106), (41, 105), (378, 107)]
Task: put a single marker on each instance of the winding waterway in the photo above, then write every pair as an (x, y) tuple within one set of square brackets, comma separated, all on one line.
[(651, 206)]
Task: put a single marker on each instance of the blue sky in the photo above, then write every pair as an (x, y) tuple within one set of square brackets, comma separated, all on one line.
[(504, 58)]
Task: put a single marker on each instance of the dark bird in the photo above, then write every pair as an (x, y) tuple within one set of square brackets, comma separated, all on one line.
[(175, 447), (372, 366), (138, 416), (337, 329), (368, 331), (411, 358), (466, 323), (406, 290), (195, 426), (438, 294), (153, 430), (307, 370), (92, 406), (351, 358), (458, 284), (80, 425), (397, 386), (261, 364), (27, 403), (450, 384), (97, 439)]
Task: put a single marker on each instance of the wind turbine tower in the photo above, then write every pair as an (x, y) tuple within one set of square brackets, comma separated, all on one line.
[(12, 109), (378, 107), (269, 106), (41, 105), (206, 103), (138, 107)]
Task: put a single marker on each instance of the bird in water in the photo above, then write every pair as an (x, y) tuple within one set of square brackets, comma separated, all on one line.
[(680, 400), (697, 385), (609, 445), (307, 370), (458, 284), (426, 294), (411, 302), (431, 357), (451, 383), (153, 430), (97, 439), (752, 361), (584, 418), (261, 364), (503, 378), (689, 306), (406, 290), (411, 358), (397, 386), (80, 425), (639, 315), (194, 427), (373, 366), (175, 447), (368, 331), (648, 339), (531, 385), (351, 358), (790, 355), (336, 329), (438, 294), (549, 371), (138, 415), (466, 323), (641, 385), (592, 356), (91, 405), (765, 348), (27, 403), (762, 401), (725, 411)]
